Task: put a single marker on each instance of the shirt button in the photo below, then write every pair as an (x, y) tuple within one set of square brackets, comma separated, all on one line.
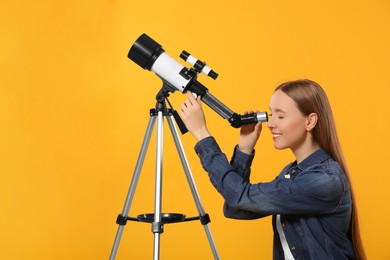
[(292, 248), (283, 225)]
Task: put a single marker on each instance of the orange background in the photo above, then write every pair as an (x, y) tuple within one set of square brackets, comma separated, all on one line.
[(74, 110)]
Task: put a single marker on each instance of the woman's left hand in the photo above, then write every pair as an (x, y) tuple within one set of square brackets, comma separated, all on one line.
[(249, 134)]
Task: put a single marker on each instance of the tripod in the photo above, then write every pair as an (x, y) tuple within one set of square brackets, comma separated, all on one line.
[(158, 219)]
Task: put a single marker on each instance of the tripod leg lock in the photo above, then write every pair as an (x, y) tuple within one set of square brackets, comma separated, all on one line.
[(205, 219), (157, 227), (121, 220)]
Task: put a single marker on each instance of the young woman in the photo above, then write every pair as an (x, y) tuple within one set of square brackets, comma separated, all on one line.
[(311, 200)]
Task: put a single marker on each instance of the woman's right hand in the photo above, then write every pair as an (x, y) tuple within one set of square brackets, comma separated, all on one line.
[(249, 134), (191, 113)]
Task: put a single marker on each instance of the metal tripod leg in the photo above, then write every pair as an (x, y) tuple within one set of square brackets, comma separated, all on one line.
[(133, 185), (192, 185), (158, 223)]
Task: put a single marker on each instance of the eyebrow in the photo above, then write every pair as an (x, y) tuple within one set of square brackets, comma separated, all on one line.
[(277, 110)]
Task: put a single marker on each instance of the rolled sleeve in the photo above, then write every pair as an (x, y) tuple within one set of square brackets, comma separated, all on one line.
[(206, 146), (242, 162)]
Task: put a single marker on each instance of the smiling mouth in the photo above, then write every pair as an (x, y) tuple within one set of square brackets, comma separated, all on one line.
[(276, 135)]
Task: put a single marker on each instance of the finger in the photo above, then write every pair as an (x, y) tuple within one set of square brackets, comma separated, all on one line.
[(246, 112), (259, 126), (188, 103), (191, 97), (183, 108), (199, 99), (180, 112)]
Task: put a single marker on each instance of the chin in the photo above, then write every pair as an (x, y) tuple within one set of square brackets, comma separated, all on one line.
[(280, 147)]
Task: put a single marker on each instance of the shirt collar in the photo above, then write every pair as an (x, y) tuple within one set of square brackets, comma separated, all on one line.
[(315, 158)]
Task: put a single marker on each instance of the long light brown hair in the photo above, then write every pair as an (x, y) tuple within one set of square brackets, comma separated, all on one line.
[(311, 98)]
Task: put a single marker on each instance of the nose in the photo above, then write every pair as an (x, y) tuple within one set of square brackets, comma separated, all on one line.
[(270, 123)]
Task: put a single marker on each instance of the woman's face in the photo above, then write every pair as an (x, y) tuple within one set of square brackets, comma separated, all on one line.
[(287, 123)]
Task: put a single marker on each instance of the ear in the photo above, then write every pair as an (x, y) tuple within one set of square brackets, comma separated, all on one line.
[(311, 121)]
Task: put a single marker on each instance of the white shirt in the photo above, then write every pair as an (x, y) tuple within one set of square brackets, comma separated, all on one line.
[(287, 252)]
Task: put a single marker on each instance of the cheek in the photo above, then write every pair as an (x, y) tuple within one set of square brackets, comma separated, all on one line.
[(295, 130)]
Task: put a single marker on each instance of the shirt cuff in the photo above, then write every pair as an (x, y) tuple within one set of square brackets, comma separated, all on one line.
[(206, 146), (241, 159)]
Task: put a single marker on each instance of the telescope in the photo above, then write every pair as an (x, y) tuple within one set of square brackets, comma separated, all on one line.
[(150, 55)]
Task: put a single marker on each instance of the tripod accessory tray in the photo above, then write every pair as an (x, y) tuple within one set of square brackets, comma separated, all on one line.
[(165, 217)]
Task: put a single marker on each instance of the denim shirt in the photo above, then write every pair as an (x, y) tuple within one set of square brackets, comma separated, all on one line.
[(314, 202)]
